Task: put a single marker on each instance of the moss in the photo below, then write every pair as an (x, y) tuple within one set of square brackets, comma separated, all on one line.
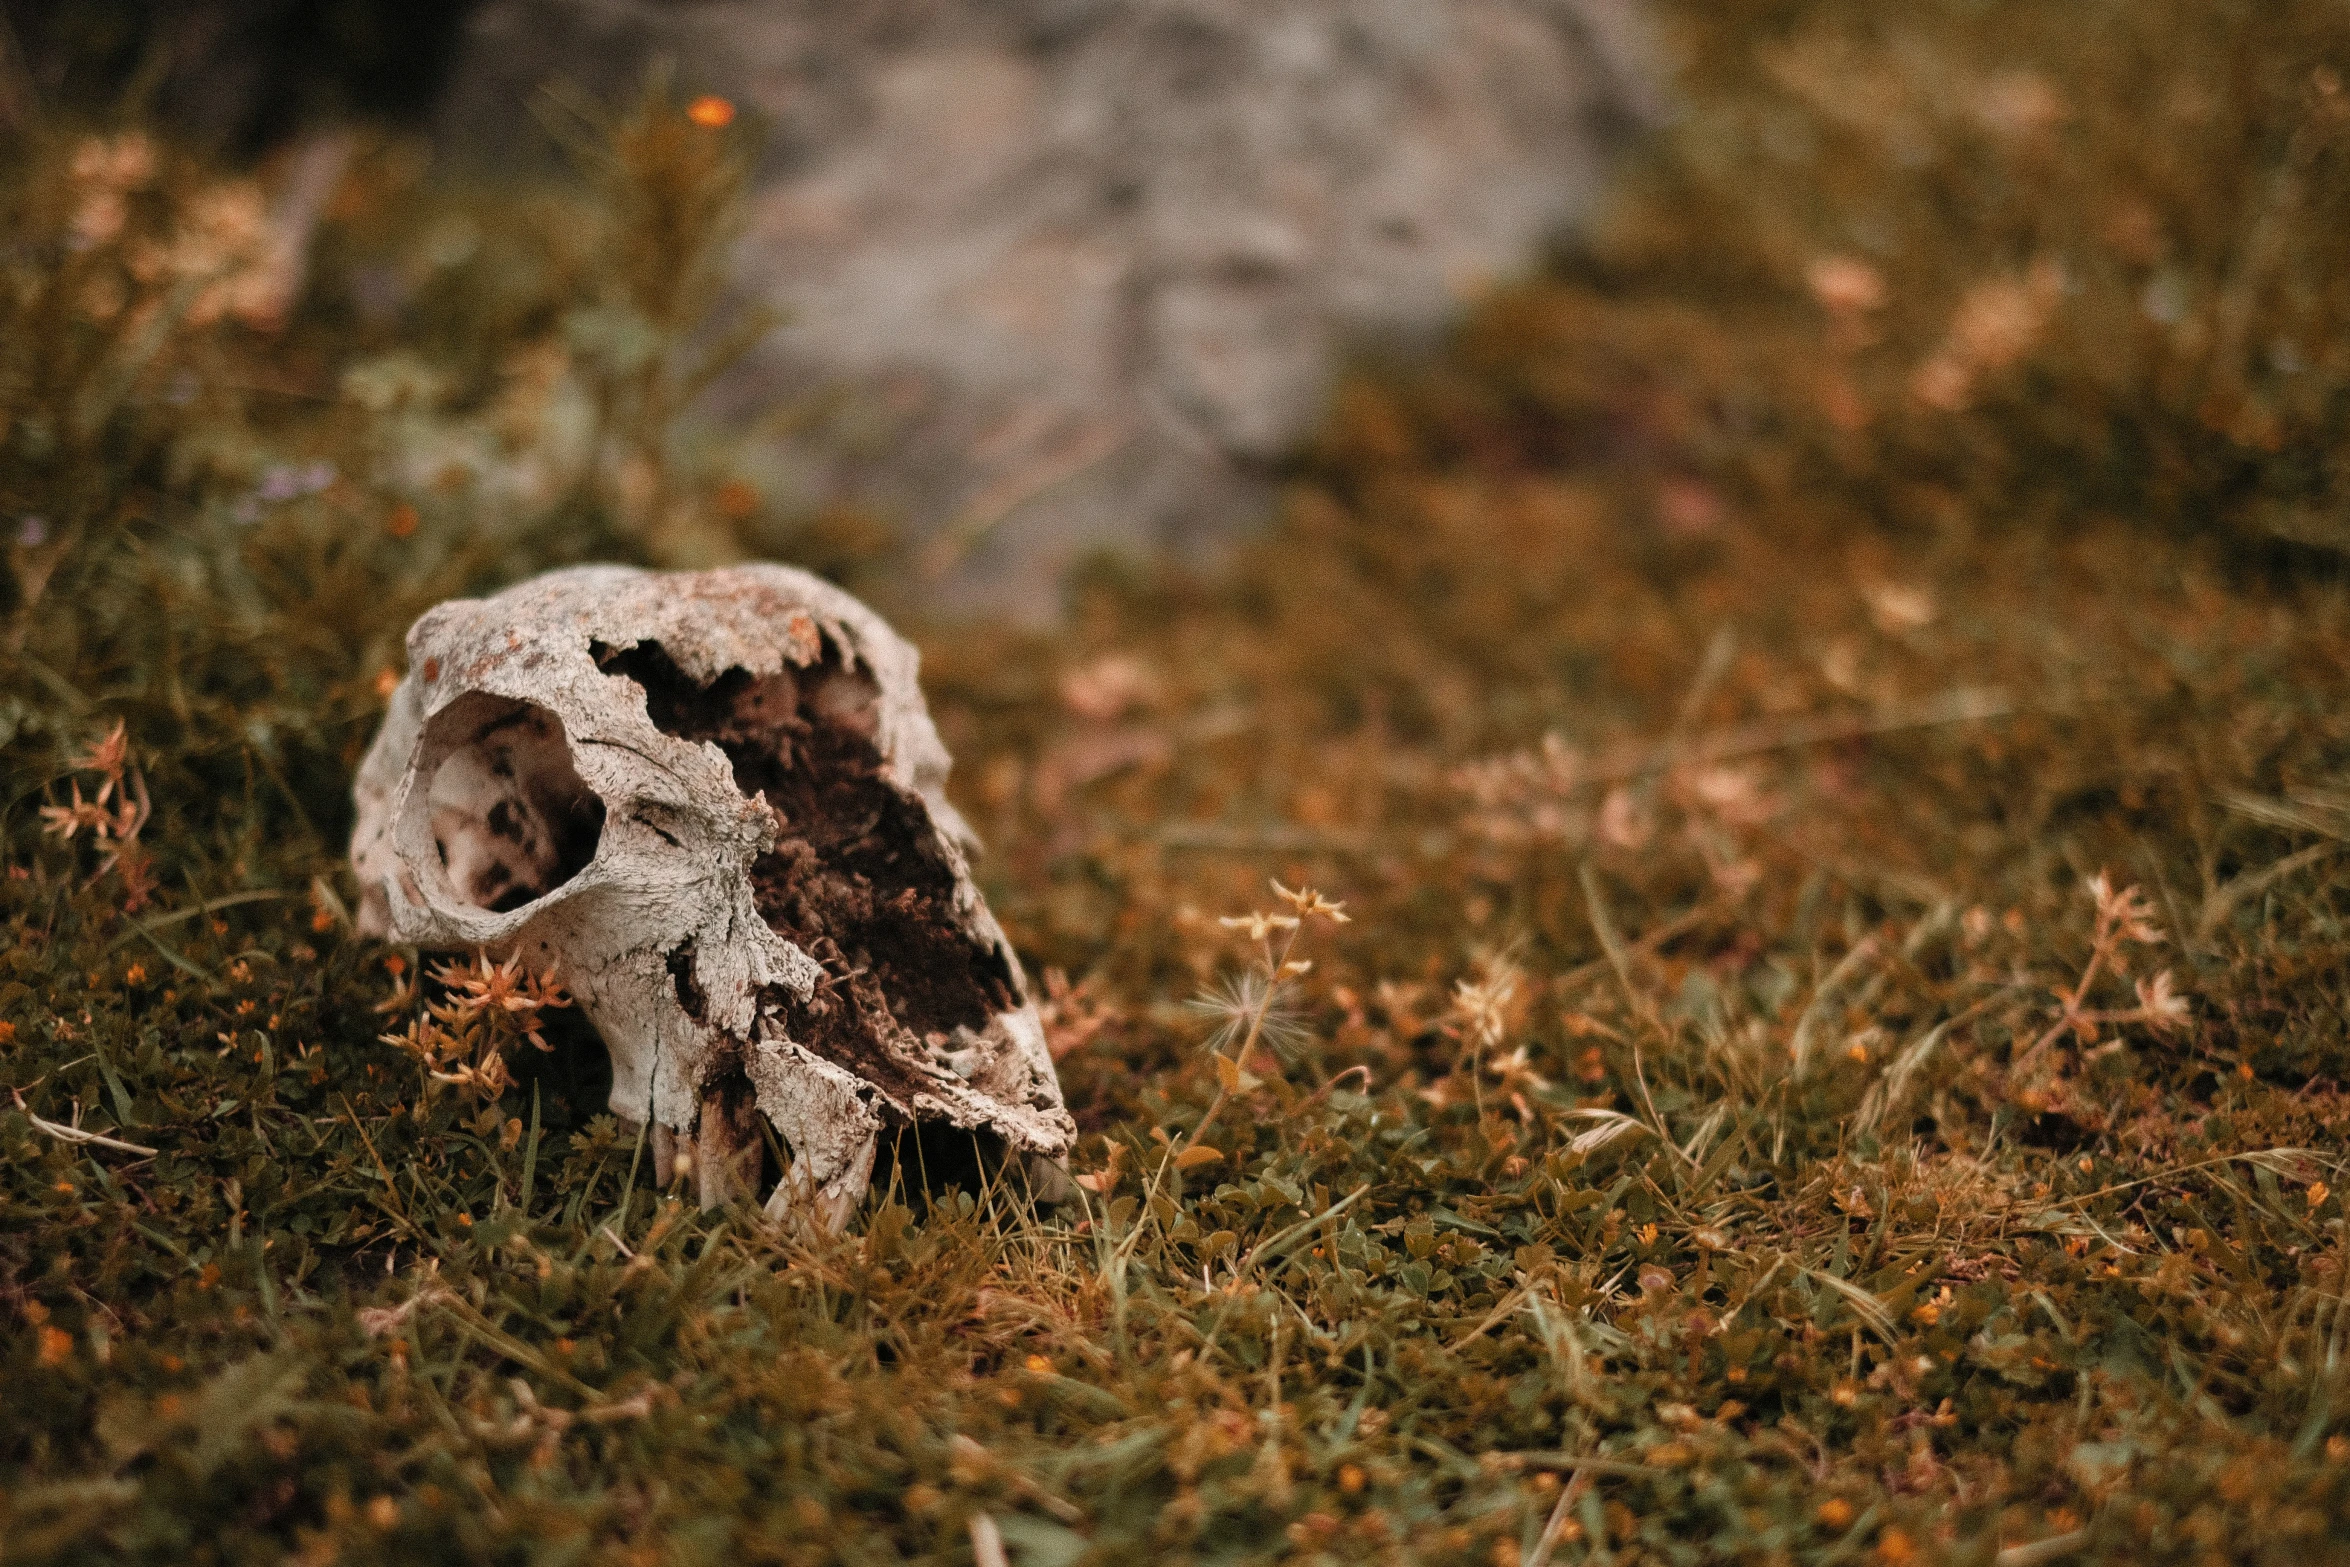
[(1838, 1049)]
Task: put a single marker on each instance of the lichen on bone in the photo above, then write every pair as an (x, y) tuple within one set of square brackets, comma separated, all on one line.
[(714, 801)]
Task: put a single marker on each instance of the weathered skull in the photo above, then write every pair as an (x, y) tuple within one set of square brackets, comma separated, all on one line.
[(714, 800)]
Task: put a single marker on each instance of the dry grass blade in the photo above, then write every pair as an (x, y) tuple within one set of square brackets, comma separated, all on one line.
[(2038, 1552), (1611, 1126), (2326, 815), (74, 1134), (1891, 1090), (1865, 1306), (1829, 990), (2291, 1163), (987, 1542), (2224, 899), (1963, 705), (1274, 1246), (1556, 1524), (1603, 925)]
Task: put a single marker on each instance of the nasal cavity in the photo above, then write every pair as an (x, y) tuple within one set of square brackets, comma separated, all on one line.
[(511, 818)]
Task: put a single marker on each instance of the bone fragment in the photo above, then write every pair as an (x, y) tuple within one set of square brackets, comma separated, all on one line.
[(714, 803)]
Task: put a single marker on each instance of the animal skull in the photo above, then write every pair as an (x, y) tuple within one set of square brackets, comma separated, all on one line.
[(715, 801)]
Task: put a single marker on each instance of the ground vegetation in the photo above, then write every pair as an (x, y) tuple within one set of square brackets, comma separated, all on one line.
[(1728, 941)]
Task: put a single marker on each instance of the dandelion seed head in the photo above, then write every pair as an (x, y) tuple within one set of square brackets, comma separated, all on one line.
[(1232, 1004)]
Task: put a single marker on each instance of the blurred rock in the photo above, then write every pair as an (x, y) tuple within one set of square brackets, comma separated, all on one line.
[(1077, 272)]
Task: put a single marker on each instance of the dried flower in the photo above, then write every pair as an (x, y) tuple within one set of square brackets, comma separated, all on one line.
[(1997, 323), (461, 1039), (1899, 607), (1311, 904), (2019, 104), (1259, 925)]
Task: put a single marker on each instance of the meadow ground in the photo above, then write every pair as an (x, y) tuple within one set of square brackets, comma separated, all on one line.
[(1823, 711)]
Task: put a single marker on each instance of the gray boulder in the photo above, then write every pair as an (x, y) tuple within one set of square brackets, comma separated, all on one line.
[(1078, 271)]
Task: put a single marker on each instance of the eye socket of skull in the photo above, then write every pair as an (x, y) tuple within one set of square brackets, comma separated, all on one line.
[(511, 820)]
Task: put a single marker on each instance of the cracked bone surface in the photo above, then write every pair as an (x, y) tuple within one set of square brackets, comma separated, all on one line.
[(714, 801)]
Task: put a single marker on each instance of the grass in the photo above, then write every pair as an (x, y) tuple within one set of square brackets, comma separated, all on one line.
[(1822, 712)]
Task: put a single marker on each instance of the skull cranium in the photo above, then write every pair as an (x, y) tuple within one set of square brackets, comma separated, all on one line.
[(715, 801)]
